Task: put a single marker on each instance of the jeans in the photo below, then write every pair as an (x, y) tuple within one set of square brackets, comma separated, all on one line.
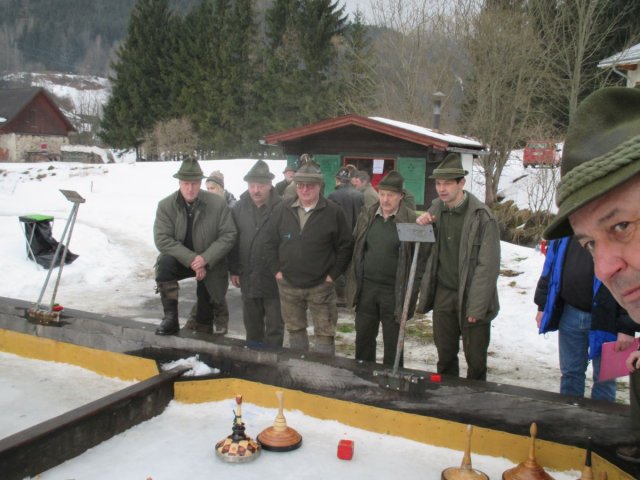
[(573, 343)]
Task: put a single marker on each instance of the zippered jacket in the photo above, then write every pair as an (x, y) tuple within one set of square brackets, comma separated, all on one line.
[(478, 264), (306, 257), (607, 317)]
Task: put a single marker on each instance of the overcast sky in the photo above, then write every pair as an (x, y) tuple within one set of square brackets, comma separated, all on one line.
[(363, 5)]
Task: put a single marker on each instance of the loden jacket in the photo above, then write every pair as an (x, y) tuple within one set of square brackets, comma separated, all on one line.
[(214, 234), (479, 264)]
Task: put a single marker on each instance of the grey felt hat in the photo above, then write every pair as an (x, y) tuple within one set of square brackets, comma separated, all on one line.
[(259, 173), (392, 181), (189, 171), (601, 151), (309, 173)]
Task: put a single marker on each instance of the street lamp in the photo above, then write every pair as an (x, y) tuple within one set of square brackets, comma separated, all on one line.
[(437, 107)]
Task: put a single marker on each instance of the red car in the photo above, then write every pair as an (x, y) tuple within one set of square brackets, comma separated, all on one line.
[(541, 153)]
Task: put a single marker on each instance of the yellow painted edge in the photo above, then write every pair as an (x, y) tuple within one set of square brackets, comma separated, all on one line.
[(429, 430), (109, 364)]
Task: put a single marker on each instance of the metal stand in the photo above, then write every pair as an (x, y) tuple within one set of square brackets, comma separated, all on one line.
[(52, 315), (407, 232)]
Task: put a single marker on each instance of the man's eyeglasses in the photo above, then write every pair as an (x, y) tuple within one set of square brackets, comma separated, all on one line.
[(307, 186)]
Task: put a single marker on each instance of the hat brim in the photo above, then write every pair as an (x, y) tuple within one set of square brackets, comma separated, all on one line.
[(449, 175), (389, 188), (308, 178), (188, 178), (560, 226), (260, 179)]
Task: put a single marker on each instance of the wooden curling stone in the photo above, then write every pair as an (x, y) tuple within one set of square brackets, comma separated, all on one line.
[(237, 447), (529, 469), (280, 437), (465, 471)]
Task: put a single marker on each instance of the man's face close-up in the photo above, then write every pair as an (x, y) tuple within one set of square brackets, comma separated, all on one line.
[(609, 228), (259, 192), (389, 201), (189, 190), (308, 193), (450, 191)]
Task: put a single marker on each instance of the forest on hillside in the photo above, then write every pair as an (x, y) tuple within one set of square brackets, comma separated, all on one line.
[(70, 36)]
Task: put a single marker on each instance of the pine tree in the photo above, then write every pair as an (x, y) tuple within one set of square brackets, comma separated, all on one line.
[(196, 69), (357, 64), (299, 81), (141, 94)]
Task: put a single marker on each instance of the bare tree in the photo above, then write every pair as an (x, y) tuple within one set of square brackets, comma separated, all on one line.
[(505, 58), (171, 139), (573, 34), (419, 55)]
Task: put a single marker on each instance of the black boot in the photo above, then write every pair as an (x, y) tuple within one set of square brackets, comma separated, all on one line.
[(168, 295)]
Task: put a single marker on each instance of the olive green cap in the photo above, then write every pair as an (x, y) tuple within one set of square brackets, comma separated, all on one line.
[(601, 151)]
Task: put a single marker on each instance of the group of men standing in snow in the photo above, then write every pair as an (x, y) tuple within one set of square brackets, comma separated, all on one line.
[(297, 253), (286, 247)]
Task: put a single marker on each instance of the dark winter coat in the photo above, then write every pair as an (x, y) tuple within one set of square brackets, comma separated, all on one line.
[(214, 234), (248, 258), (479, 264), (355, 273), (306, 257), (350, 199), (607, 317), (281, 186)]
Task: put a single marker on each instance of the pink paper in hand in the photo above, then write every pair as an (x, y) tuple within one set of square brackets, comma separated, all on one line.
[(613, 363)]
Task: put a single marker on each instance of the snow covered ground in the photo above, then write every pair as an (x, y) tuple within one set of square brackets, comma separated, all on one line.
[(114, 273), (180, 442)]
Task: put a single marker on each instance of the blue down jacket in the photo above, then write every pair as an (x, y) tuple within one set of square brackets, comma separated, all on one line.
[(607, 317)]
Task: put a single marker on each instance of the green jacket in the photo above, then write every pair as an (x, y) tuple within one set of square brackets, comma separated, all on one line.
[(479, 264), (355, 272), (214, 234)]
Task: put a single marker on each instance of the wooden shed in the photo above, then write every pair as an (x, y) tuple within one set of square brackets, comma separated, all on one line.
[(32, 127), (376, 145)]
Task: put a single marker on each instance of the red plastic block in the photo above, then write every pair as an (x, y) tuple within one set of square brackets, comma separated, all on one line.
[(436, 378), (345, 449)]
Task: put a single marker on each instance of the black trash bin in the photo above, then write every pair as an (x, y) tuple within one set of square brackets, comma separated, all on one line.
[(41, 246)]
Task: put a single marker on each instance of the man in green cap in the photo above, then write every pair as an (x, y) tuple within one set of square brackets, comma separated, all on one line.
[(598, 201), (379, 270), (194, 232), (461, 275), (249, 271), (309, 246)]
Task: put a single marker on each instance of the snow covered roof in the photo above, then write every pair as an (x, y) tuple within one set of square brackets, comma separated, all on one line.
[(393, 128), (452, 139), (629, 56)]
